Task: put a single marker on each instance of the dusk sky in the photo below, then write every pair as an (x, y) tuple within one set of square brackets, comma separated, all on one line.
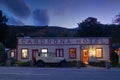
[(63, 13)]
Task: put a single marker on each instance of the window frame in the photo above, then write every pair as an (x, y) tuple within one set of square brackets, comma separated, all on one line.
[(58, 52), (27, 53), (44, 53), (71, 57), (97, 53), (42, 49), (13, 54)]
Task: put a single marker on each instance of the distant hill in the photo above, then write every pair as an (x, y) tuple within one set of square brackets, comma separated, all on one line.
[(52, 31), (36, 31), (33, 31)]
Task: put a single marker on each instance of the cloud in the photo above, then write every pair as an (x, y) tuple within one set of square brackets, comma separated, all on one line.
[(40, 17), (18, 7), (14, 21)]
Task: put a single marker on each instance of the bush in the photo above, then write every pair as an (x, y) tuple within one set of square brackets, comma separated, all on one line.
[(98, 64), (19, 63), (2, 64), (118, 65), (93, 63), (75, 64), (12, 61), (102, 64), (114, 59)]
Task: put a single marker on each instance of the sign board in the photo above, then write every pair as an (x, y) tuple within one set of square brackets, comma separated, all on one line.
[(59, 41)]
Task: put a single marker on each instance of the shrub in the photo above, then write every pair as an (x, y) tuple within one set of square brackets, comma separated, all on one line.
[(75, 64), (23, 63), (12, 61), (98, 64), (2, 64), (118, 65), (102, 64), (93, 63)]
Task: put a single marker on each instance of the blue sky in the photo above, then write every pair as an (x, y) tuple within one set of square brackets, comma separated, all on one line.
[(64, 13)]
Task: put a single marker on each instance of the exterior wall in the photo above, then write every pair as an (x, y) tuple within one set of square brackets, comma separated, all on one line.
[(64, 43), (50, 49)]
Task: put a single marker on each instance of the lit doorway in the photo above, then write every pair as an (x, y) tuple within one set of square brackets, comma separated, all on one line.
[(85, 56)]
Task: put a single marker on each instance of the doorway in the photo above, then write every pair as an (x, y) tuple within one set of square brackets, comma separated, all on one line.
[(85, 56), (34, 52)]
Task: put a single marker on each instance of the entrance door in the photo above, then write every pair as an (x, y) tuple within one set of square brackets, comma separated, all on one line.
[(85, 56), (34, 52)]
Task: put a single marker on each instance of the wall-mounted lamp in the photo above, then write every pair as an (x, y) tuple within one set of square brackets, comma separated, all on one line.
[(92, 51)]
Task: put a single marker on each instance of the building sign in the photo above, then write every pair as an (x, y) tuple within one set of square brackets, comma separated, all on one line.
[(59, 41)]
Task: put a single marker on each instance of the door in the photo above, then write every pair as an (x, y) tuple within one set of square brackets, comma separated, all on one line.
[(85, 56), (34, 52)]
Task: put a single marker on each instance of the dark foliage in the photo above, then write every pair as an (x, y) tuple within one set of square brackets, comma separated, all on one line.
[(90, 27), (3, 28), (114, 58)]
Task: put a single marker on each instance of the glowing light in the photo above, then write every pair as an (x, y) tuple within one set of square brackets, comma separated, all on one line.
[(92, 53)]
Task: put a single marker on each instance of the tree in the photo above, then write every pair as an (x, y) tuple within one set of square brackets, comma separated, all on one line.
[(3, 27), (2, 53), (90, 27), (117, 19)]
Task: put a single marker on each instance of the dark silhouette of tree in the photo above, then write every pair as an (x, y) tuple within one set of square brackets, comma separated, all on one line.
[(2, 54), (3, 27), (117, 19), (90, 27), (114, 55)]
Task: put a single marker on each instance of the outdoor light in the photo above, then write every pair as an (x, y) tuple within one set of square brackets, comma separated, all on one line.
[(92, 53)]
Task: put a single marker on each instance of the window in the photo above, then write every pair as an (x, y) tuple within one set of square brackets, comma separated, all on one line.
[(12, 54), (59, 53), (44, 52), (24, 54), (72, 53), (99, 52)]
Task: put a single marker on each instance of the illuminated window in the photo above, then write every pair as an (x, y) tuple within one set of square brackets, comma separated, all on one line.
[(44, 52), (99, 53), (12, 54), (72, 53), (24, 53)]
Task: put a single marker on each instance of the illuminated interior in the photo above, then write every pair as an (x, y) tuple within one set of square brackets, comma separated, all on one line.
[(99, 53), (44, 50), (85, 56), (44, 53), (96, 53), (24, 53), (12, 54)]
